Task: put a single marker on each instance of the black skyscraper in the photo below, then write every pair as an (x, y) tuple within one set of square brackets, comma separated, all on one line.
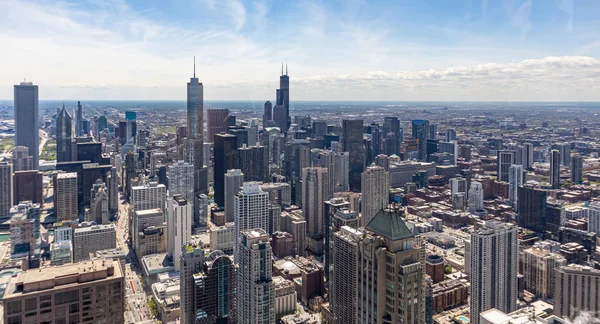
[(532, 208), (353, 143), (225, 151), (420, 132), (64, 134)]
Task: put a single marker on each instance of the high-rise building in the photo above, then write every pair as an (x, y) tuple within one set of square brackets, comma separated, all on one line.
[(217, 122), (22, 233), (515, 180), (420, 132), (391, 125), (353, 143), (149, 196), (325, 159), (251, 211), (181, 181), (27, 114), (89, 291), (21, 159), (64, 134), (458, 185), (65, 196), (79, 120), (494, 263), (28, 186), (538, 271), (225, 152), (6, 188), (527, 156), (315, 191), (565, 153), (375, 192), (577, 168), (93, 238), (475, 197), (99, 211), (342, 172), (283, 97), (142, 220), (195, 137), (342, 285), (555, 162), (505, 158), (267, 114), (432, 131), (253, 162), (576, 290), (532, 208), (179, 226), (390, 256), (214, 289), (450, 135), (130, 126), (234, 180), (191, 261), (255, 288), (337, 214)]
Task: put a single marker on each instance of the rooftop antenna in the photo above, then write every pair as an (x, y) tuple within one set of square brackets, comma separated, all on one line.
[(282, 68), (194, 66), (286, 68)]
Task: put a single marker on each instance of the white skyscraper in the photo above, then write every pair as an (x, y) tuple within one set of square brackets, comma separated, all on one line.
[(494, 264), (149, 196), (515, 180), (375, 192), (179, 227), (458, 185), (251, 211), (234, 180), (255, 288), (475, 197), (181, 181), (6, 188), (315, 191)]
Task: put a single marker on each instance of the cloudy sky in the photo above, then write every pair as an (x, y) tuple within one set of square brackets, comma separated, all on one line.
[(496, 50)]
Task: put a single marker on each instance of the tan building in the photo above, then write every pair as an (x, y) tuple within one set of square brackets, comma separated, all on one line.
[(85, 292), (375, 191), (65, 196), (538, 271), (576, 289)]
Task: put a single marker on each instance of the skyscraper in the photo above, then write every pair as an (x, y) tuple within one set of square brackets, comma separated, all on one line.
[(391, 125), (343, 287), (79, 120), (191, 262), (251, 211), (555, 162), (255, 288), (353, 143), (528, 156), (375, 192), (94, 238), (315, 191), (6, 188), (539, 266), (576, 290), (21, 159), (65, 196), (214, 290), (195, 135), (505, 158), (531, 205), (64, 129), (420, 132), (576, 168), (234, 180), (565, 153), (390, 256), (99, 203), (225, 152), (475, 197), (181, 181), (450, 135), (149, 196), (27, 114), (494, 263), (217, 122), (515, 180), (179, 226), (267, 114), (283, 96)]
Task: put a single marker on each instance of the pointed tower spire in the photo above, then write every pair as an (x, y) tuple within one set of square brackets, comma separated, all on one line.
[(63, 105), (194, 66), (286, 68), (282, 68)]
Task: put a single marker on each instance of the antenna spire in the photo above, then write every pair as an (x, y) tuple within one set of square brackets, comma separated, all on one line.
[(286, 68), (194, 66), (282, 68)]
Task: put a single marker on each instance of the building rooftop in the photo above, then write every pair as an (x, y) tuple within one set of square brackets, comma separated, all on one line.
[(389, 224), (66, 175), (80, 230)]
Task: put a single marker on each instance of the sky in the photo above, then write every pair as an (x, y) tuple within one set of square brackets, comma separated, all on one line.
[(429, 50)]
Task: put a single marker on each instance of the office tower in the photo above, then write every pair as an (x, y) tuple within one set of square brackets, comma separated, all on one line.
[(6, 188), (27, 119), (538, 271), (234, 180), (450, 135), (353, 143), (112, 181), (577, 168), (420, 132), (315, 191), (283, 97), (576, 291), (98, 284), (458, 185), (251, 211), (555, 161), (532, 208), (149, 196), (130, 126), (79, 120), (65, 196), (195, 138), (217, 122), (343, 281), (240, 133), (390, 256), (64, 129), (93, 238), (475, 197), (179, 226), (99, 203), (129, 172), (391, 135), (383, 161), (494, 253), (528, 156), (432, 131), (142, 220), (337, 214), (191, 261), (214, 289), (21, 159), (28, 186), (319, 128), (102, 123), (22, 232), (325, 159), (505, 158), (267, 114), (181, 181), (296, 157), (255, 288), (253, 162), (515, 180), (565, 153), (279, 118), (32, 210), (342, 172), (225, 152), (375, 192)]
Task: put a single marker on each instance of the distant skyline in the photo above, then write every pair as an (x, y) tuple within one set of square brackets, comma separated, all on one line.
[(471, 50)]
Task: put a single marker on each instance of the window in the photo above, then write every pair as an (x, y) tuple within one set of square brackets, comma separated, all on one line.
[(13, 307), (73, 308), (67, 297), (30, 304)]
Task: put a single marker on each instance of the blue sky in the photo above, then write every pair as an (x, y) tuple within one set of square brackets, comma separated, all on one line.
[(511, 50)]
